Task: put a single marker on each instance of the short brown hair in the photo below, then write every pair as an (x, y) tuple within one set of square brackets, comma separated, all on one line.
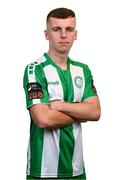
[(60, 13)]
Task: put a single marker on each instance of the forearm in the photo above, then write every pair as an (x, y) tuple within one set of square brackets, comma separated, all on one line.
[(58, 119), (44, 117), (87, 111), (80, 110)]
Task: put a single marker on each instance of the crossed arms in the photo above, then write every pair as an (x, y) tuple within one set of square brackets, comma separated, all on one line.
[(59, 114)]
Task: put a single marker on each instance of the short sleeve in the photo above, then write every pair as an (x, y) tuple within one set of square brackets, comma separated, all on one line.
[(90, 89), (35, 86)]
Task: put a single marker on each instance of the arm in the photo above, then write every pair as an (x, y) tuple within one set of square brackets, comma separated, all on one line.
[(44, 117), (88, 110)]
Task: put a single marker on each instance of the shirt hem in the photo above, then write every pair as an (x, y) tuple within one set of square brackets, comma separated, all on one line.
[(36, 103), (89, 98), (55, 176)]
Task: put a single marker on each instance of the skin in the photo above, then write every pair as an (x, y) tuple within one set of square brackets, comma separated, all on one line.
[(61, 34)]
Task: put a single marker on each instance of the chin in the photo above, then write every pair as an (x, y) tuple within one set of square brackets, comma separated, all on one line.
[(64, 50)]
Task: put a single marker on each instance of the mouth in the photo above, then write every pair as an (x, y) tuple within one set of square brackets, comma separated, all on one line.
[(63, 42)]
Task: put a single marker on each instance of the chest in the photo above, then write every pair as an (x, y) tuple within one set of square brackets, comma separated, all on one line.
[(67, 85)]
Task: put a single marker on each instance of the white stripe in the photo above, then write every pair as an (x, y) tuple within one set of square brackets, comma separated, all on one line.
[(78, 92), (32, 76), (28, 159), (54, 83), (42, 59), (50, 153), (77, 160)]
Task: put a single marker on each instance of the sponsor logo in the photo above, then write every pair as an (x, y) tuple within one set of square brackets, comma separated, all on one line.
[(35, 90), (54, 83)]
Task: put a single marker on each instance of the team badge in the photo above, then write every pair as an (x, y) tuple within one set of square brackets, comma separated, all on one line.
[(78, 81), (34, 90)]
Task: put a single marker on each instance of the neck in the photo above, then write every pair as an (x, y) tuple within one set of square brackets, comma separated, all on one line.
[(59, 58)]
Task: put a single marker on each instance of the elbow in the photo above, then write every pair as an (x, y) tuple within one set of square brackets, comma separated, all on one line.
[(41, 124), (40, 116), (44, 123), (96, 115)]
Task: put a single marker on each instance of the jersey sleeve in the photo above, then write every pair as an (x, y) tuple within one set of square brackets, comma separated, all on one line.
[(89, 89), (35, 86)]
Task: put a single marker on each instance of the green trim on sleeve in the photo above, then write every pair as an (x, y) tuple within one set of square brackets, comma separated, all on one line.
[(34, 74), (90, 89)]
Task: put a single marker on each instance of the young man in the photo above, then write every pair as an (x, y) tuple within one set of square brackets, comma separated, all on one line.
[(60, 95)]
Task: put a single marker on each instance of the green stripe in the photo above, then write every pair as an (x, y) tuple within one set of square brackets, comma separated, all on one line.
[(36, 149), (66, 152), (70, 96), (40, 77), (64, 83), (66, 133), (25, 82), (67, 85)]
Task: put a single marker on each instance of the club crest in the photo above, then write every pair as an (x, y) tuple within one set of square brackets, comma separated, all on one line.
[(78, 81)]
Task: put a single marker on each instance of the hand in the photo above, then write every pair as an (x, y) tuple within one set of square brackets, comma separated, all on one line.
[(57, 105)]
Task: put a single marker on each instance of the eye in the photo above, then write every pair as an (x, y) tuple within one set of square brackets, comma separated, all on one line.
[(70, 29), (56, 29)]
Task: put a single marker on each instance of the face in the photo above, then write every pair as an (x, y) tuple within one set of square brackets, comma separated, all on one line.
[(61, 34)]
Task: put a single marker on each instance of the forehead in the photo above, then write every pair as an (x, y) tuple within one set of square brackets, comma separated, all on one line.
[(70, 21)]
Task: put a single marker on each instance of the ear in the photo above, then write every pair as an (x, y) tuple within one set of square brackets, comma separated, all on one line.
[(75, 35), (46, 34)]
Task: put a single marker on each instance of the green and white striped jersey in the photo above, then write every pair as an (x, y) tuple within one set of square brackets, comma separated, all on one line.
[(56, 152)]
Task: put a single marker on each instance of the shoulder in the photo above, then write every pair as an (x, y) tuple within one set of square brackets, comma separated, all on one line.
[(82, 66), (78, 63), (36, 63)]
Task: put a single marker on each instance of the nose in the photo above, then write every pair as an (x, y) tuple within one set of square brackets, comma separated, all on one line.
[(63, 33)]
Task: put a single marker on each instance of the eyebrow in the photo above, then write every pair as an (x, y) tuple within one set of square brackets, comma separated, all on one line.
[(58, 27)]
